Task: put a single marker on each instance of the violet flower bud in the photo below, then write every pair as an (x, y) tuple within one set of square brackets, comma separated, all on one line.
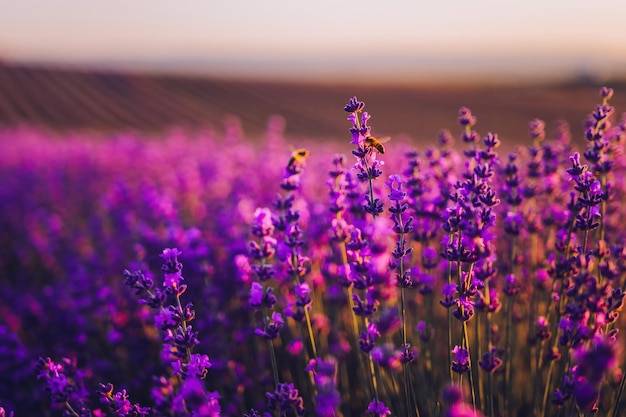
[(354, 105), (537, 130), (449, 292), (367, 338), (272, 328), (119, 403), (489, 361), (263, 224), (285, 400), (466, 118), (461, 360)]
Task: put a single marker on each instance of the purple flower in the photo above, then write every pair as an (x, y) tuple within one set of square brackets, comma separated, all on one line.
[(367, 307), (407, 354), (302, 290), (537, 130), (195, 400), (172, 269), (577, 168), (359, 130), (64, 383), (354, 105), (606, 93), (272, 327), (490, 304), (368, 337), (285, 399), (395, 188), (451, 394), (445, 138), (514, 221), (328, 399), (256, 295), (596, 360), (490, 362), (511, 286), (165, 318), (388, 321), (340, 230), (198, 366), (138, 280), (586, 394), (378, 409), (449, 292), (424, 332), (466, 118), (464, 308), (462, 410), (456, 407), (263, 224), (388, 357), (431, 257), (119, 403), (461, 360), (260, 295)]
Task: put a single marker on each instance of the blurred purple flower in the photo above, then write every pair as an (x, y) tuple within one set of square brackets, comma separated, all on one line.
[(263, 224), (378, 409), (328, 398)]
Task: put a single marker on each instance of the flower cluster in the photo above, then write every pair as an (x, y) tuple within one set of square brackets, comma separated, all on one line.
[(285, 399), (173, 320), (527, 256), (119, 403), (64, 383)]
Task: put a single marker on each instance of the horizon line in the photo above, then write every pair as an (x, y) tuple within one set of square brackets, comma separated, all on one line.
[(394, 71)]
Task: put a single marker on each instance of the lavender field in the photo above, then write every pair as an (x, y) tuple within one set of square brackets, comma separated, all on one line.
[(207, 274)]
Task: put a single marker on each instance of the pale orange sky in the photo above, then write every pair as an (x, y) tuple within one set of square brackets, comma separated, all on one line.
[(326, 37)]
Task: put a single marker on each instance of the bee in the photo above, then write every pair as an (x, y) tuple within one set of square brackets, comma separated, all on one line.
[(372, 142), (298, 158)]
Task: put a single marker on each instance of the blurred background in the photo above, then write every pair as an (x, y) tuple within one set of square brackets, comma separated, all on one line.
[(150, 65)]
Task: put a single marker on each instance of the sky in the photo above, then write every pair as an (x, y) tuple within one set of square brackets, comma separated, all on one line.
[(323, 38)]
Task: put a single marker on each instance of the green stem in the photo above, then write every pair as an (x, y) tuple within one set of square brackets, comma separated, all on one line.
[(489, 346), (296, 279), (270, 346), (372, 368), (618, 396), (310, 329), (537, 382), (407, 379), (479, 375), (509, 353), (69, 408), (449, 277), (471, 377)]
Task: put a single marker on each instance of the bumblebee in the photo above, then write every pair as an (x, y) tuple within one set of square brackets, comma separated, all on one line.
[(298, 158), (372, 142)]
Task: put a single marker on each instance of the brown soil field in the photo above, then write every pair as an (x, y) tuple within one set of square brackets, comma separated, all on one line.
[(73, 99)]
